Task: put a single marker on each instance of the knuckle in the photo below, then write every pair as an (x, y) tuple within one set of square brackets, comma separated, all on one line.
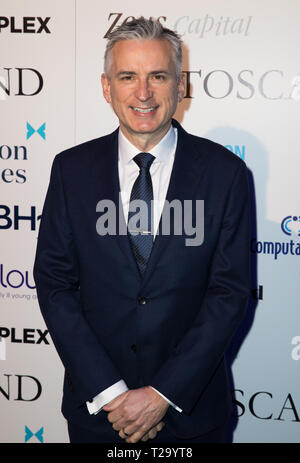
[(139, 422)]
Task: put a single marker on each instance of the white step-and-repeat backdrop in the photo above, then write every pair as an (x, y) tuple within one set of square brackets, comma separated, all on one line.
[(242, 67)]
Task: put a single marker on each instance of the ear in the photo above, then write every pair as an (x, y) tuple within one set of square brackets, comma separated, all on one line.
[(181, 87), (106, 87)]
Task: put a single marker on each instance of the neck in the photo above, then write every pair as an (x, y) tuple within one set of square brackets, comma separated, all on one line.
[(145, 141)]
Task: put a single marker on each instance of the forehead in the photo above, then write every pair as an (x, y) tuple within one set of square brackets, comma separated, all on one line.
[(146, 54)]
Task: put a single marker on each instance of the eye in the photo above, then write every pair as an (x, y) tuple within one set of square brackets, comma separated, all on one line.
[(126, 77), (159, 77)]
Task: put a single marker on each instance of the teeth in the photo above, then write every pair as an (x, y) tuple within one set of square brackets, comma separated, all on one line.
[(140, 110)]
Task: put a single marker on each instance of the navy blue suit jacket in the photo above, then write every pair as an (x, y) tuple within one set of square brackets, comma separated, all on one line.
[(89, 286)]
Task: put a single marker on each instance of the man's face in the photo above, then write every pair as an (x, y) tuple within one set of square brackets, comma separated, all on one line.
[(142, 87)]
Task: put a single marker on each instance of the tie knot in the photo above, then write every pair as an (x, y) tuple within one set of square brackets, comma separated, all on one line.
[(144, 160)]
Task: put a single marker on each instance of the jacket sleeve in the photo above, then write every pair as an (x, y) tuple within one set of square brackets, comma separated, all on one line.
[(185, 375), (57, 277)]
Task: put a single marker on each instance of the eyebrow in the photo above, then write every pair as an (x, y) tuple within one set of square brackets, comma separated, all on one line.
[(160, 71), (121, 73), (132, 73)]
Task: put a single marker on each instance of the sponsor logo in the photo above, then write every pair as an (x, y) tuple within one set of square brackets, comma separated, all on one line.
[(12, 280), (295, 354), (40, 131), (209, 25), (24, 388), (13, 153), (275, 248), (25, 25), (12, 218), (18, 153), (290, 225), (219, 84), (116, 19), (197, 27), (20, 82), (261, 406), (29, 434), (15, 278), (24, 336)]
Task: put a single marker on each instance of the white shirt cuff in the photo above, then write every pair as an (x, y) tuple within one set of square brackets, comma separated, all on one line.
[(171, 403), (106, 396), (111, 393)]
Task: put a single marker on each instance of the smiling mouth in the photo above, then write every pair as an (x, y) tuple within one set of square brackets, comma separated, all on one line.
[(144, 110)]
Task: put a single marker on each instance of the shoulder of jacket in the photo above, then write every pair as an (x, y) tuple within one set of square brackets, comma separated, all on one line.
[(86, 149)]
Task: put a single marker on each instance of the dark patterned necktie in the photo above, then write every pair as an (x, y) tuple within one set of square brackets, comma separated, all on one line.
[(140, 231)]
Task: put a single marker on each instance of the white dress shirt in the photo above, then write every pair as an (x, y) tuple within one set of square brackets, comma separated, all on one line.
[(160, 170)]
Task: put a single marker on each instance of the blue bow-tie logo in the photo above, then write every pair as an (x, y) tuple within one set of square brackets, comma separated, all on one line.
[(40, 131), (29, 434)]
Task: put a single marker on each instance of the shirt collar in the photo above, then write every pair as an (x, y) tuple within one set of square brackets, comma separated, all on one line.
[(162, 151)]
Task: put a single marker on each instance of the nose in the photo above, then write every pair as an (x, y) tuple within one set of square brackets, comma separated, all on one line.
[(143, 92)]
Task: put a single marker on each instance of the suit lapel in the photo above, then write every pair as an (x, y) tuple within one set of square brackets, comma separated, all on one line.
[(107, 184), (186, 174)]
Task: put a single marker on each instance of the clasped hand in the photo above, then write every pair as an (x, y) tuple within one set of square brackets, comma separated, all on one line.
[(137, 414)]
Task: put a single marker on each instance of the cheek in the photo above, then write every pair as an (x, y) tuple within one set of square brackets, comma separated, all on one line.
[(172, 95), (172, 100), (121, 97)]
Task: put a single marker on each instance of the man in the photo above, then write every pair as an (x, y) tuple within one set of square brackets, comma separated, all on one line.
[(141, 319)]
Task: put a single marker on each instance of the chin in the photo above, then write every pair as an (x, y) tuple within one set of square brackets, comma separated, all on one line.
[(145, 128)]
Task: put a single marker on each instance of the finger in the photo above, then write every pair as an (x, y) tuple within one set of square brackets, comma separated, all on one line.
[(129, 427), (113, 404), (145, 438), (117, 426), (119, 414), (136, 437), (132, 439), (125, 435), (159, 426), (152, 433), (122, 434), (136, 429), (121, 422), (114, 417)]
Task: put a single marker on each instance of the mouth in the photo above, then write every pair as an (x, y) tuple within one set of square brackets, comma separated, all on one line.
[(144, 111)]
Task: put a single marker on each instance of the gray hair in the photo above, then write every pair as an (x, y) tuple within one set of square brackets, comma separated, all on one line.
[(142, 28)]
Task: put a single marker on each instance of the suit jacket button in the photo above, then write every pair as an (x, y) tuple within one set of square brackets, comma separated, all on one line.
[(142, 300), (133, 348)]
